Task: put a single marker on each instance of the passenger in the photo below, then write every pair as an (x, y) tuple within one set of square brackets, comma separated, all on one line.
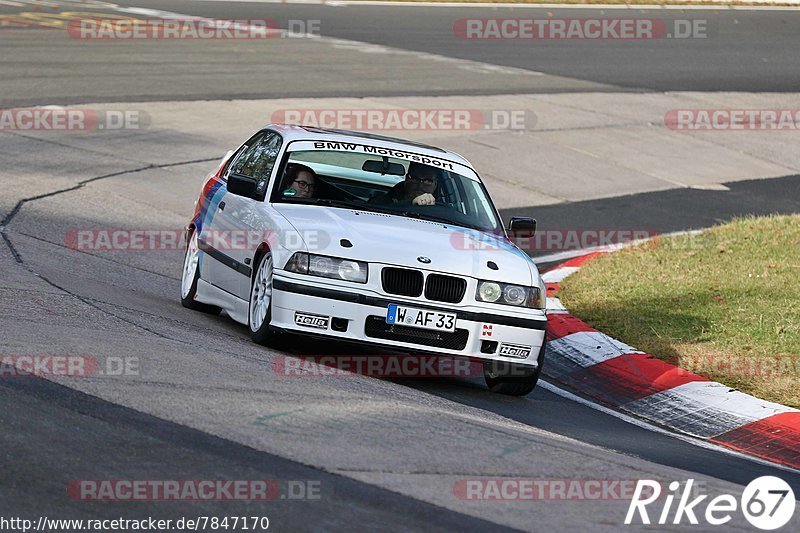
[(300, 181)]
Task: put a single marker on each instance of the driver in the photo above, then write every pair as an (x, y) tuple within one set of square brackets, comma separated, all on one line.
[(418, 188)]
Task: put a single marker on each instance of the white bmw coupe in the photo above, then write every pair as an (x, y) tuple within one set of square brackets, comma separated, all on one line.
[(366, 239)]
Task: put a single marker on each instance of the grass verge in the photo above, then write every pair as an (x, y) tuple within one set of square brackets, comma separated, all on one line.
[(724, 304)]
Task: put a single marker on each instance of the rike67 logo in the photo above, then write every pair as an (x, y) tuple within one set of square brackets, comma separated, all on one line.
[(767, 503)]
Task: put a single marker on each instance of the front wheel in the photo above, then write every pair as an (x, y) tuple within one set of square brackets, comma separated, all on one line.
[(259, 311), (513, 379)]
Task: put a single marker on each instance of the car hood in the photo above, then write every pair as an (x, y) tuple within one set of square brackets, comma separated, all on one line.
[(383, 238)]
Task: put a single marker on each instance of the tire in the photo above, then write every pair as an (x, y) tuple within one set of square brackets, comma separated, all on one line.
[(189, 277), (512, 379), (259, 308)]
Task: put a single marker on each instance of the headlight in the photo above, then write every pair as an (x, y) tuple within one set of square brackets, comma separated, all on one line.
[(489, 291), (507, 294), (328, 267), (514, 295)]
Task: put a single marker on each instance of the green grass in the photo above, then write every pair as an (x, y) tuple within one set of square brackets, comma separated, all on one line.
[(725, 303)]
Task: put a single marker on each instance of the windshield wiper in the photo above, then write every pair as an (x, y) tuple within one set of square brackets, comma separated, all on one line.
[(449, 222), (326, 202), (432, 218), (424, 216)]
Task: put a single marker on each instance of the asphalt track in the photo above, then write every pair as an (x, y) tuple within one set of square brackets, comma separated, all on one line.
[(741, 51), (205, 403)]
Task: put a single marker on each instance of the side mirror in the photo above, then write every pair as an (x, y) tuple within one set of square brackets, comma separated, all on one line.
[(522, 225), (242, 185)]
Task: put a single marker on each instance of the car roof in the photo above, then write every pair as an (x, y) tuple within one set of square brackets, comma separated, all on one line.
[(298, 132)]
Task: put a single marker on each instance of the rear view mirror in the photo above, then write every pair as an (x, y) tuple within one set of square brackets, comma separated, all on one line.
[(383, 167), (242, 185), (525, 225)]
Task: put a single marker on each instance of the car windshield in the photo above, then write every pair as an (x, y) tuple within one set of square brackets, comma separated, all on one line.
[(380, 183)]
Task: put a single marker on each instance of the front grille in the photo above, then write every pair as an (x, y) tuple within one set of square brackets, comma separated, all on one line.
[(402, 281), (445, 288), (376, 327)]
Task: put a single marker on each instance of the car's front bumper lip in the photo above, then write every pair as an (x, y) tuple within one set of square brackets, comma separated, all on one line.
[(377, 301), (291, 297)]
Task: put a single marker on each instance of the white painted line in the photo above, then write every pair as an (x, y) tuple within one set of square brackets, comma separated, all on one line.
[(40, 3), (587, 348), (704, 409), (651, 427), (554, 306), (157, 13), (362, 47), (557, 275), (357, 3), (464, 64), (64, 3), (72, 4), (560, 257)]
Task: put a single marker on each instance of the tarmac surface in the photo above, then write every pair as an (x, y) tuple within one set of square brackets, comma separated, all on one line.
[(203, 402)]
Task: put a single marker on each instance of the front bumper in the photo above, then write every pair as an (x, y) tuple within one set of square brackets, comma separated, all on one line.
[(361, 317)]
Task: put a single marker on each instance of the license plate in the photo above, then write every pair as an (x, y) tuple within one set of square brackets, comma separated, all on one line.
[(421, 318)]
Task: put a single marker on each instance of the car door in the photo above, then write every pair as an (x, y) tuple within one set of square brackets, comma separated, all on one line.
[(228, 235)]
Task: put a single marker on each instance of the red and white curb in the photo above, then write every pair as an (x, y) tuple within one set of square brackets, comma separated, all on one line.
[(618, 375)]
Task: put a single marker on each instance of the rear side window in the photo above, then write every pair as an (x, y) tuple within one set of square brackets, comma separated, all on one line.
[(257, 158)]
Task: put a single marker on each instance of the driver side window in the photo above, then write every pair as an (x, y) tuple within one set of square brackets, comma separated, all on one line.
[(257, 159)]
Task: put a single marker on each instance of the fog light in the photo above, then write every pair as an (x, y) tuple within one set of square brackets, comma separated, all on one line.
[(339, 324), (488, 346)]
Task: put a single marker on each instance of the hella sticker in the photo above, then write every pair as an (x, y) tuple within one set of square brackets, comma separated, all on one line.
[(311, 321), (514, 350)]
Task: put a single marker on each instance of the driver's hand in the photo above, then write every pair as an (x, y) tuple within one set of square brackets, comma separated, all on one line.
[(424, 199)]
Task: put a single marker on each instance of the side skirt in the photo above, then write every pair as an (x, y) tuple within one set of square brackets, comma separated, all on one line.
[(233, 305)]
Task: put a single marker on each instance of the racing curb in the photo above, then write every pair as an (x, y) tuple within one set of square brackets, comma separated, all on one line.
[(619, 376)]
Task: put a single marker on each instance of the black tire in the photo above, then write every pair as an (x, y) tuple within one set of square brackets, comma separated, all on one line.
[(188, 299), (263, 334), (513, 379)]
